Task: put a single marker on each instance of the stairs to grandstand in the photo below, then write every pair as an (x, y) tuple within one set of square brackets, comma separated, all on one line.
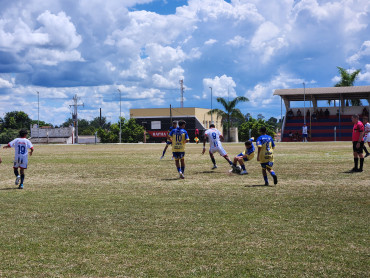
[(321, 129)]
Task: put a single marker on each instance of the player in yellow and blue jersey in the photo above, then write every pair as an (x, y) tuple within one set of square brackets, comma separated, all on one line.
[(179, 137), (265, 156), (246, 155), (168, 142)]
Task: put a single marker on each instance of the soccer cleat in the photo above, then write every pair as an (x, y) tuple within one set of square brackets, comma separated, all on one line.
[(181, 175), (367, 154), (275, 179), (20, 186), (17, 179), (266, 183), (244, 172), (354, 169), (161, 157), (214, 167), (359, 170)]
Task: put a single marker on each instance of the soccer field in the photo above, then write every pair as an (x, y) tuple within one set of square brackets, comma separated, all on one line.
[(119, 211)]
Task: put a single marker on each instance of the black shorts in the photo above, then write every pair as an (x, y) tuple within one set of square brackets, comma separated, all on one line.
[(360, 149)]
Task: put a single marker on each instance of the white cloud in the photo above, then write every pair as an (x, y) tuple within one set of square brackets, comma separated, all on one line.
[(262, 93), (210, 42), (60, 30), (237, 41), (5, 83), (363, 52), (221, 87), (365, 74)]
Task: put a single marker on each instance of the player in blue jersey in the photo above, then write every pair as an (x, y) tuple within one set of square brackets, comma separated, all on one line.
[(179, 137), (168, 142), (246, 155), (265, 156)]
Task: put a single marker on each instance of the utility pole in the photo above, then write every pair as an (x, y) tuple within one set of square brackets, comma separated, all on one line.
[(38, 117), (211, 105), (120, 128), (75, 115), (182, 92)]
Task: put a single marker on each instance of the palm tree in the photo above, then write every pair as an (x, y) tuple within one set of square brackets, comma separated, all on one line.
[(230, 111), (348, 79)]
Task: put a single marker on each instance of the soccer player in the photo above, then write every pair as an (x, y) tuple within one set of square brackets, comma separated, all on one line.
[(214, 137), (21, 145), (304, 133), (366, 124), (246, 155), (179, 137), (265, 156), (358, 143), (168, 142)]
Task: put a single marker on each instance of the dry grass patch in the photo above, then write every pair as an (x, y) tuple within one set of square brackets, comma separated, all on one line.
[(118, 211)]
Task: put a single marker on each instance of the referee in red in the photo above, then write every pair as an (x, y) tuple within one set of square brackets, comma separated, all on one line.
[(358, 143)]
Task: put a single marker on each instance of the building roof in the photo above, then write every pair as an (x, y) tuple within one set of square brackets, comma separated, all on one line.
[(325, 93)]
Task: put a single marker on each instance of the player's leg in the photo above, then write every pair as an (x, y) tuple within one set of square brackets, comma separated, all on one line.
[(22, 178), (272, 172), (212, 159), (241, 162), (164, 151), (361, 156), (17, 176), (228, 159), (264, 174), (182, 167), (355, 158)]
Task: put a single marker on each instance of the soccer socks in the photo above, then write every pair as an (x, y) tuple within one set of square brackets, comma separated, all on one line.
[(243, 167), (178, 169), (22, 179), (182, 169), (16, 173), (356, 162), (213, 160), (366, 151), (164, 151), (361, 163), (266, 179)]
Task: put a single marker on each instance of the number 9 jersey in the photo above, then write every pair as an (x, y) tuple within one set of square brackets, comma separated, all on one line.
[(21, 146), (179, 138)]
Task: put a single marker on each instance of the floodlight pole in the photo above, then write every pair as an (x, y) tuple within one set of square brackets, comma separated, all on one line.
[(120, 128), (38, 117), (211, 106), (304, 100)]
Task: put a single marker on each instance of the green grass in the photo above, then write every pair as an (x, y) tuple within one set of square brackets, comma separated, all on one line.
[(117, 211)]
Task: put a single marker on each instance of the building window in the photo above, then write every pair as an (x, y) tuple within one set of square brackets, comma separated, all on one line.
[(156, 124)]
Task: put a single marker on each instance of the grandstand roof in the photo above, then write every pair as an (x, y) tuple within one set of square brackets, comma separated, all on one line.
[(325, 93)]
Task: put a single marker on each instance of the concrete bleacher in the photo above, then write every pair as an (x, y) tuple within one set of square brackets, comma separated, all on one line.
[(321, 129)]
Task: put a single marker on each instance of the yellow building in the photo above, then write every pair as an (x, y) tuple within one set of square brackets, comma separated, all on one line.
[(157, 121)]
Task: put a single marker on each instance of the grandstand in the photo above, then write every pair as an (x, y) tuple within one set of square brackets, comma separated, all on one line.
[(334, 125)]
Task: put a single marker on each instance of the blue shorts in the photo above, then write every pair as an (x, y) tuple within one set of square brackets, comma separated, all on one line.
[(178, 155), (267, 165), (244, 158), (304, 135)]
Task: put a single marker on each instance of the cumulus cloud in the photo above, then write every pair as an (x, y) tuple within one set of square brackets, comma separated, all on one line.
[(362, 53), (222, 86), (5, 83)]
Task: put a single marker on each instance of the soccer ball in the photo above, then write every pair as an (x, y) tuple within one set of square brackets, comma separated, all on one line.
[(238, 169)]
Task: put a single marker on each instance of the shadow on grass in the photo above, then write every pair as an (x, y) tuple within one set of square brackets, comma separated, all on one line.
[(171, 179), (9, 188), (258, 185), (350, 172), (208, 172)]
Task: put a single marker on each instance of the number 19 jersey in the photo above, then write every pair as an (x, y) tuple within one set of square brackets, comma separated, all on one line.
[(21, 146), (179, 137)]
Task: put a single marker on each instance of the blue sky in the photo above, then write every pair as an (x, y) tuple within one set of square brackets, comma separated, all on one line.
[(248, 48)]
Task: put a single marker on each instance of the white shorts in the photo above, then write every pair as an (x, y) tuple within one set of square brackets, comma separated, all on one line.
[(367, 138), (20, 162), (218, 149)]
